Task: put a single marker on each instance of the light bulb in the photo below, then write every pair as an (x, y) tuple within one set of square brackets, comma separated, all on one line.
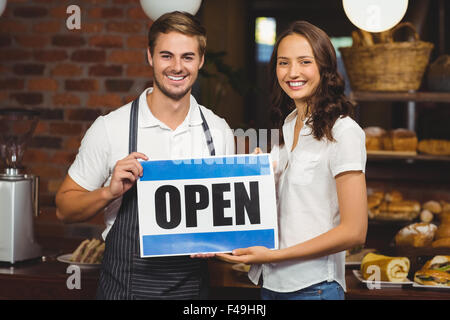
[(375, 15), (156, 8)]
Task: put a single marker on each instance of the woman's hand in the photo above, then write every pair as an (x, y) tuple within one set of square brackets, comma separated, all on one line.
[(251, 255), (202, 255)]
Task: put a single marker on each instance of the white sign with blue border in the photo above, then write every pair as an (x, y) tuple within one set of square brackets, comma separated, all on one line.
[(206, 205)]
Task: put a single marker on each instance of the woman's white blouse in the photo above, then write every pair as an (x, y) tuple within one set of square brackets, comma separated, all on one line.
[(307, 200)]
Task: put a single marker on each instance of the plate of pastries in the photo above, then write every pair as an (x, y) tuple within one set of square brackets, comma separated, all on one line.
[(381, 271), (402, 141), (88, 254)]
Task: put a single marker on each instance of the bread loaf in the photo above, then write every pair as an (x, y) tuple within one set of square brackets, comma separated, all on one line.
[(441, 243), (445, 206), (433, 206), (393, 196), (404, 206), (434, 147), (403, 140), (443, 231), (444, 217), (416, 235), (426, 216), (374, 138)]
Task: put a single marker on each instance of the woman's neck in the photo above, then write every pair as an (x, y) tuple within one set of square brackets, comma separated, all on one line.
[(302, 111)]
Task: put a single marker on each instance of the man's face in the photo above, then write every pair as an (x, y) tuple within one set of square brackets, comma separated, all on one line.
[(176, 62)]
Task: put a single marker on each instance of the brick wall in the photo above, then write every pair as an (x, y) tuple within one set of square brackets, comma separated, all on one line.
[(70, 76)]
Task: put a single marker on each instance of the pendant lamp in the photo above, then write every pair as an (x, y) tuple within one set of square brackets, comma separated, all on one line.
[(156, 8)]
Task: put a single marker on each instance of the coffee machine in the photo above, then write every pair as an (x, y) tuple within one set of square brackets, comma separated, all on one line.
[(18, 191)]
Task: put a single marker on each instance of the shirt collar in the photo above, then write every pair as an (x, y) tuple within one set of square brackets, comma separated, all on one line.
[(289, 126), (292, 117), (147, 119)]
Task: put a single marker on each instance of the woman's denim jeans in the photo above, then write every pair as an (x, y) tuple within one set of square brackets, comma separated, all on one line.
[(320, 291)]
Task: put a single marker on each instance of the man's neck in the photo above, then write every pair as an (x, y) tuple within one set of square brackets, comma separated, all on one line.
[(170, 112)]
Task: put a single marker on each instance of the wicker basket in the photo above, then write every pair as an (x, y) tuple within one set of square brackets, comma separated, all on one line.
[(391, 66)]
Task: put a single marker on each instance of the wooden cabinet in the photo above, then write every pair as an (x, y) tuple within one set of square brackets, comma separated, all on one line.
[(420, 177)]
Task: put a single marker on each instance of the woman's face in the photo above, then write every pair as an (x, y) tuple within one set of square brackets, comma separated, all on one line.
[(297, 70)]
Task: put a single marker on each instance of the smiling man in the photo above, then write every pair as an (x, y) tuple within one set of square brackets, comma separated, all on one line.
[(164, 122)]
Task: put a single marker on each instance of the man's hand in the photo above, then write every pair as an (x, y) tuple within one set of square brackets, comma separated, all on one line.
[(125, 174)]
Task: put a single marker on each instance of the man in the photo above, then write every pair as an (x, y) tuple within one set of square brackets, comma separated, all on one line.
[(164, 122)]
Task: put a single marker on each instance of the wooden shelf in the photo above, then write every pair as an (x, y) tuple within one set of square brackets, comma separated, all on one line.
[(443, 97), (417, 157)]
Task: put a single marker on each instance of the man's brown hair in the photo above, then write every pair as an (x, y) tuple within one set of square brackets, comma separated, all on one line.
[(176, 21)]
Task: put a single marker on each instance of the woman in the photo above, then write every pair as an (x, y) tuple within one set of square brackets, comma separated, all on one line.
[(321, 189)]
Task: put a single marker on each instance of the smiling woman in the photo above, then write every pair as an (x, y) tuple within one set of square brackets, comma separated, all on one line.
[(322, 198)]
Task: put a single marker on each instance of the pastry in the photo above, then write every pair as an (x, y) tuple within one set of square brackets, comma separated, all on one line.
[(89, 251), (394, 195), (374, 138), (405, 210), (441, 243), (76, 255), (445, 206), (378, 194), (443, 231), (438, 263), (426, 216), (435, 272), (419, 234), (444, 217), (400, 140), (432, 278), (394, 269), (433, 206), (373, 201), (434, 147), (404, 206)]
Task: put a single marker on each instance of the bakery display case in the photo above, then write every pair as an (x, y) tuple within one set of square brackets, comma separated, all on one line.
[(408, 175)]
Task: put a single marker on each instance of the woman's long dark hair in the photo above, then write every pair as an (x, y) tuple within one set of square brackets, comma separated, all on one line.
[(328, 102)]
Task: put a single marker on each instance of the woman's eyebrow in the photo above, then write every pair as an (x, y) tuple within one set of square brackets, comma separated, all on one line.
[(299, 57)]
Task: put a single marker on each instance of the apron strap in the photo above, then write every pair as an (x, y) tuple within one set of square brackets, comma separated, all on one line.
[(209, 139), (132, 137)]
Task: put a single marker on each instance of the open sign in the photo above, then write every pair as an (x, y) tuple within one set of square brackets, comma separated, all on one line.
[(213, 204)]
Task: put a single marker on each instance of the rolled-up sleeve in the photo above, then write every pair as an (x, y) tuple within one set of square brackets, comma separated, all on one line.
[(348, 151), (90, 169)]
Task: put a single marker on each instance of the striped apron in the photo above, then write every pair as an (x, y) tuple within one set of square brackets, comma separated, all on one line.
[(125, 275)]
